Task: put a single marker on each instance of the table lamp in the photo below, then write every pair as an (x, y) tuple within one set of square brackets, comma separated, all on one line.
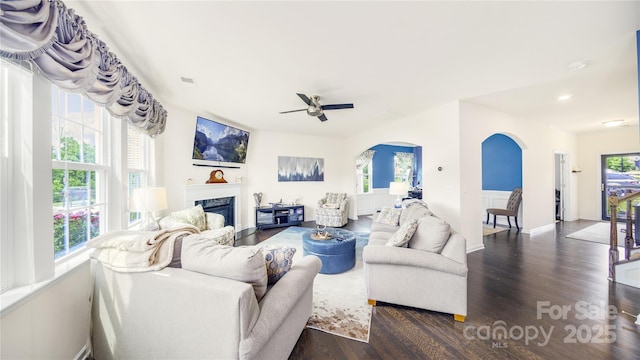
[(148, 200), (399, 189)]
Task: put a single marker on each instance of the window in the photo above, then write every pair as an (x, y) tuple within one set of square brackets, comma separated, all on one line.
[(78, 170), (137, 166), (365, 178), (403, 168)]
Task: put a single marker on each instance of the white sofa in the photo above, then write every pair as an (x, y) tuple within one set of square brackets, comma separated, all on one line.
[(180, 314), (428, 273)]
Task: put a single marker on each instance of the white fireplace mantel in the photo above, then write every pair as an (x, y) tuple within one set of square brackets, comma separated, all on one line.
[(193, 193)]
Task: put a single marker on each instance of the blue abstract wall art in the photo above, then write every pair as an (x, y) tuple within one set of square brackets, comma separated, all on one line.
[(300, 169)]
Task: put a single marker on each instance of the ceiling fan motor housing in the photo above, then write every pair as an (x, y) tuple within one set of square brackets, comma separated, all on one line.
[(314, 108)]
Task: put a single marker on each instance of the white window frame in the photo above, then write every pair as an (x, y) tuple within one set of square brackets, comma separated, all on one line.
[(27, 261), (360, 179), (143, 170), (99, 167)]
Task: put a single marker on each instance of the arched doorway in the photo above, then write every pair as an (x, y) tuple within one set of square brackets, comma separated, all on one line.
[(388, 162), (501, 173)]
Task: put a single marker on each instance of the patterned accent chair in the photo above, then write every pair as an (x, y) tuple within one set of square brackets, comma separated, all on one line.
[(333, 210), (513, 204)]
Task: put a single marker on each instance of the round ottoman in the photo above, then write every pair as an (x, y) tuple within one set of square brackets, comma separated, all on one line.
[(338, 254)]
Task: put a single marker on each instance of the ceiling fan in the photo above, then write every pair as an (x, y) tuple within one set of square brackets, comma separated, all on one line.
[(315, 109)]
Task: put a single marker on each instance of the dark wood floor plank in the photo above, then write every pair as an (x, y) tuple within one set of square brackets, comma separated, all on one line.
[(507, 282)]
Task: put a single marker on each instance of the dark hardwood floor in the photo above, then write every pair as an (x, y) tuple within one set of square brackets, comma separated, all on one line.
[(509, 281)]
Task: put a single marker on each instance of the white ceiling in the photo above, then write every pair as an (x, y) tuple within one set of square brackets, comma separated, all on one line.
[(391, 59)]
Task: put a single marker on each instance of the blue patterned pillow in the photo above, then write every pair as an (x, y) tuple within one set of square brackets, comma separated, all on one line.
[(278, 260)]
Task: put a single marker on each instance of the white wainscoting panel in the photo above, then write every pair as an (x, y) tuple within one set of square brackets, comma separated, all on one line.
[(374, 201)]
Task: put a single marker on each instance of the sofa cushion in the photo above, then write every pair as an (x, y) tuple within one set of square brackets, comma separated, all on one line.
[(244, 263), (401, 237), (431, 235), (389, 216), (414, 210), (194, 216), (278, 260)]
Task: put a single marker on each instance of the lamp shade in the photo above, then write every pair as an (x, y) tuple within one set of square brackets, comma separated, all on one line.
[(148, 199), (398, 188)]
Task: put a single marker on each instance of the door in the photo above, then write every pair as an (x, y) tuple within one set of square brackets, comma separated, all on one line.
[(620, 175), (561, 188)]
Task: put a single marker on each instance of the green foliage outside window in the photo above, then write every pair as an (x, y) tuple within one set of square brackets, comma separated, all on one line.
[(621, 163)]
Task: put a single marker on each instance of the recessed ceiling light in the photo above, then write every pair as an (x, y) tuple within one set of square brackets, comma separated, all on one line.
[(577, 65), (613, 123), (565, 97)]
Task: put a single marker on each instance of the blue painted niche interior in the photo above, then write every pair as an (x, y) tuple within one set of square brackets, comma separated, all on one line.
[(501, 163), (383, 164)]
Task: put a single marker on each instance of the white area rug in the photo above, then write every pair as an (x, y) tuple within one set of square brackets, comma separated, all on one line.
[(339, 300), (599, 233), (488, 229)]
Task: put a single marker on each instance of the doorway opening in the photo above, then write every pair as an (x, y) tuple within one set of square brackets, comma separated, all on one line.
[(561, 186)]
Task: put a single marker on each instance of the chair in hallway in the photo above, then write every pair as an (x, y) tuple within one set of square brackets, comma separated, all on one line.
[(513, 205)]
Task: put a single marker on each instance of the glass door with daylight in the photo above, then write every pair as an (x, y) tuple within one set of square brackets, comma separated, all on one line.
[(620, 174)]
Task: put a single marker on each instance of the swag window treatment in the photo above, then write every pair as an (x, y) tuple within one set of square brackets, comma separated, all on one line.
[(56, 40), (364, 158)]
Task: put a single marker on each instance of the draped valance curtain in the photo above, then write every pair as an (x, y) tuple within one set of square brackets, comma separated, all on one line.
[(364, 158), (56, 40)]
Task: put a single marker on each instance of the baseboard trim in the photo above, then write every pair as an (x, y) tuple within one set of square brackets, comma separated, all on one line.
[(475, 248), (82, 355), (542, 229)]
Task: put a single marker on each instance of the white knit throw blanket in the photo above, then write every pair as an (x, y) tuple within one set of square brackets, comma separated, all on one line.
[(137, 251)]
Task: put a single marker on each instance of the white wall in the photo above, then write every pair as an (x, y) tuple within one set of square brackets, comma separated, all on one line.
[(590, 147), (451, 136), (260, 173), (538, 143), (437, 131), (53, 324)]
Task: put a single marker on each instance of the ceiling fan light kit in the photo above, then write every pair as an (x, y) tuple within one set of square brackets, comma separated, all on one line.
[(315, 109)]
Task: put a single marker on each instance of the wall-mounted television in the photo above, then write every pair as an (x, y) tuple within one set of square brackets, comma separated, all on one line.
[(215, 141)]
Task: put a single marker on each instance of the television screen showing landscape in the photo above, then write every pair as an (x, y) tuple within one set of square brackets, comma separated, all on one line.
[(218, 142)]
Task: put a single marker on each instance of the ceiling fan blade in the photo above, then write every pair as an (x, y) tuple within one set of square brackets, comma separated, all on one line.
[(305, 99), (290, 111), (337, 106), (322, 117)]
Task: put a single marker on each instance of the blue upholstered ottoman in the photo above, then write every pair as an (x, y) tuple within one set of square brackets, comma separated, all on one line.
[(338, 254)]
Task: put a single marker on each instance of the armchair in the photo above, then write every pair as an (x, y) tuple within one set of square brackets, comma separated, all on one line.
[(513, 205), (333, 210)]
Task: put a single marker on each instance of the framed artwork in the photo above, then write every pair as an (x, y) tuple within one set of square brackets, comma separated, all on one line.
[(292, 168)]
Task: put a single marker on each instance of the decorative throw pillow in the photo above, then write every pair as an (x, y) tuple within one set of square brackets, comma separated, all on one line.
[(389, 216), (431, 235), (402, 236), (278, 260), (244, 263), (194, 216), (331, 206)]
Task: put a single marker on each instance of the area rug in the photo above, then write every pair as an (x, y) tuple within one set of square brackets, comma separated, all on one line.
[(488, 229), (599, 233), (339, 300)]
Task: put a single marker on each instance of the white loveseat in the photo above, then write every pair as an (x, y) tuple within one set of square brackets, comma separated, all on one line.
[(179, 314), (429, 272)]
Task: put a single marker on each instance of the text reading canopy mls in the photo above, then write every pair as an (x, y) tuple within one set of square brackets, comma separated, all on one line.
[(214, 141)]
